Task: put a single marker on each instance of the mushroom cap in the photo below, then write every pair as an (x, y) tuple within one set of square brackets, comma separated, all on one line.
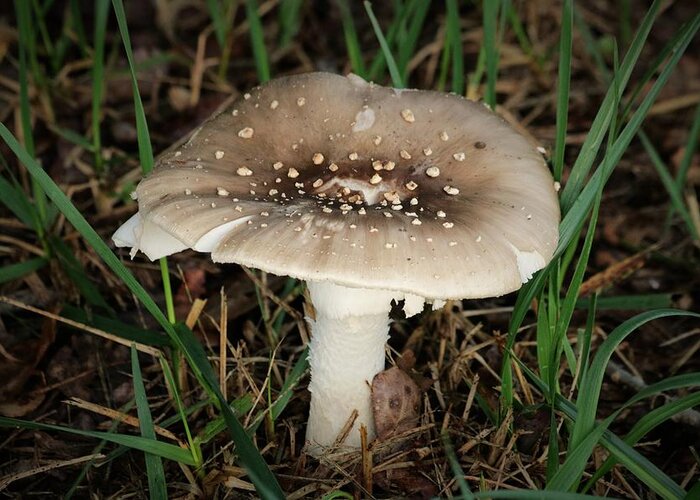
[(330, 178)]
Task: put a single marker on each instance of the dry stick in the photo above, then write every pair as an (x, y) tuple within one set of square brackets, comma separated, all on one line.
[(689, 476), (680, 337), (223, 340), (470, 398), (265, 290), (628, 489), (192, 317), (9, 357), (689, 353), (22, 244), (618, 374), (482, 312), (694, 208), (523, 471), (5, 481), (674, 104), (500, 438), (95, 331), (345, 431), (304, 491), (198, 68), (120, 417), (527, 393), (349, 479), (506, 458), (366, 460)]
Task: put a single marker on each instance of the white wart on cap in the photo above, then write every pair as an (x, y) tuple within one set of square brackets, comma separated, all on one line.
[(409, 191)]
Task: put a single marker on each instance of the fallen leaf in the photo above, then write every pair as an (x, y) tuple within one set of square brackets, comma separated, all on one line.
[(395, 402)]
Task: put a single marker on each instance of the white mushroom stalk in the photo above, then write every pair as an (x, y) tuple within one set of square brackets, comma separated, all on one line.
[(349, 335)]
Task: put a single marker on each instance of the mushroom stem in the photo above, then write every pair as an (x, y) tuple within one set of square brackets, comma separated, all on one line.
[(349, 335)]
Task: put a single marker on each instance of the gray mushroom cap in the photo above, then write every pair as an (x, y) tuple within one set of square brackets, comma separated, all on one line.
[(330, 178)]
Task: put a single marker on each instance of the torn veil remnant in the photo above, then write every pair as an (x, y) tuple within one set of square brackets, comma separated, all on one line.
[(370, 195)]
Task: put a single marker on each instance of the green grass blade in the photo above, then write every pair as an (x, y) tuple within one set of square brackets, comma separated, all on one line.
[(289, 11), (544, 346), (569, 303), (645, 425), (569, 474), (75, 272), (396, 78), (521, 35), (590, 386), (143, 135), (250, 457), (219, 21), (290, 382), (352, 43), (570, 225), (636, 463), (40, 23), (684, 381), (591, 145), (456, 468), (97, 449), (394, 33), (694, 492), (490, 22), (690, 148), (276, 408), (258, 471), (583, 202), (15, 271), (154, 467), (672, 188), (12, 196), (564, 80), (454, 39), (216, 426), (169, 302), (630, 302), (116, 327), (165, 450), (553, 445), (77, 25), (416, 11), (101, 14), (257, 40), (26, 50), (586, 337), (181, 410), (592, 45), (74, 137), (22, 8)]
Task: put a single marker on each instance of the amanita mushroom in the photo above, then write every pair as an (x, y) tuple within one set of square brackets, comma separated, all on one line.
[(370, 195)]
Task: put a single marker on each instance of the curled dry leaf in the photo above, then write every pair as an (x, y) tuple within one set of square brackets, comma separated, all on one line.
[(407, 360), (395, 402), (396, 409)]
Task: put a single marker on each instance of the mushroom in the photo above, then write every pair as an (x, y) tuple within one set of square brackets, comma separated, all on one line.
[(340, 192)]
